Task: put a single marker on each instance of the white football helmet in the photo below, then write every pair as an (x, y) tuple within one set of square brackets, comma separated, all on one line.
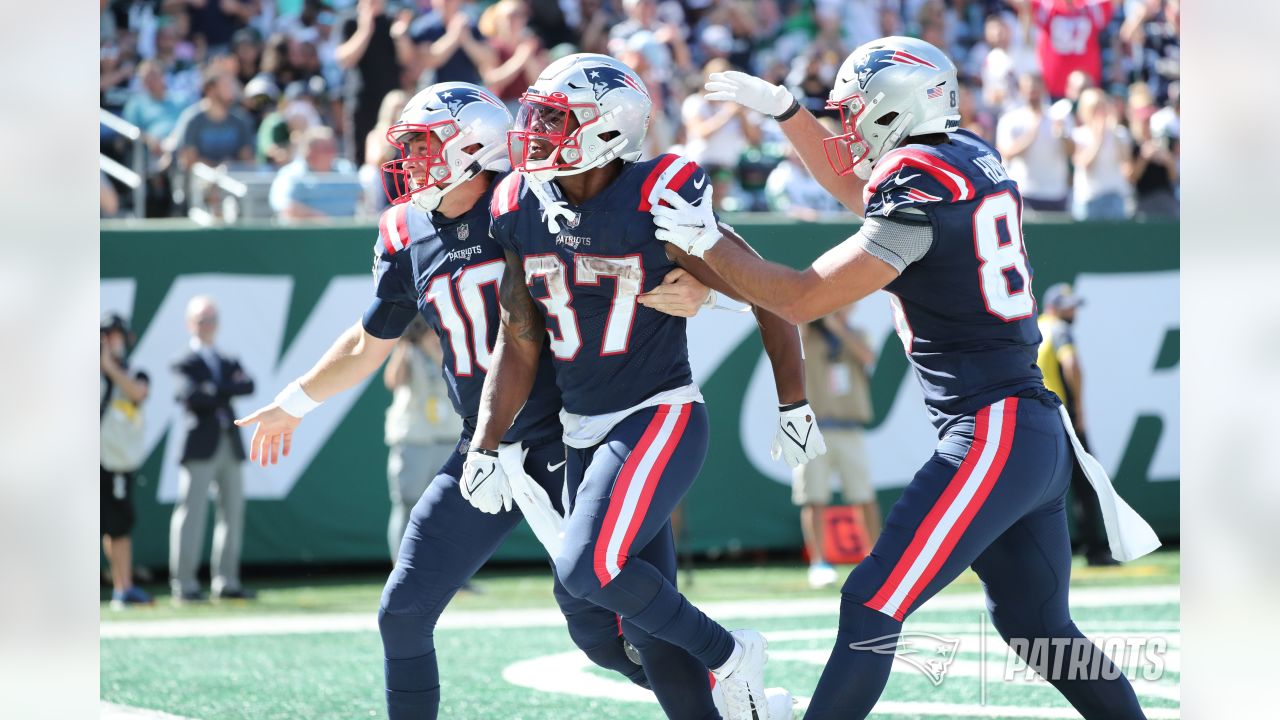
[(457, 117), (584, 111), (888, 90)]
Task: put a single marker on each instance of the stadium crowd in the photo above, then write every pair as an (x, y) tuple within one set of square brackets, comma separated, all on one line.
[(1080, 96)]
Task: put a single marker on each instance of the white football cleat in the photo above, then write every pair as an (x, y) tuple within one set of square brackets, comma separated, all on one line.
[(743, 684)]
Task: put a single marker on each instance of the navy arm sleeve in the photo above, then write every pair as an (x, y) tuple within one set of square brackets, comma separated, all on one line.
[(395, 302)]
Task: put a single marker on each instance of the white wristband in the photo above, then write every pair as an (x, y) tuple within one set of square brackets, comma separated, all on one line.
[(295, 401)]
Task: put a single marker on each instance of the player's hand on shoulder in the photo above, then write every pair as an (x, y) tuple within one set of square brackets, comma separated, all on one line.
[(689, 226), (798, 439), (749, 91), (272, 433), (679, 294), (484, 483)]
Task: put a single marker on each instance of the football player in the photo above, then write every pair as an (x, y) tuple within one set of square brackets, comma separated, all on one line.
[(433, 256), (574, 220), (943, 235)]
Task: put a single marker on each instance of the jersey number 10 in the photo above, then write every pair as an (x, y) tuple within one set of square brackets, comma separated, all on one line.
[(997, 242)]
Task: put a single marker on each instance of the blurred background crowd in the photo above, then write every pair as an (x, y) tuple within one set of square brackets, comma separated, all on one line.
[(226, 109)]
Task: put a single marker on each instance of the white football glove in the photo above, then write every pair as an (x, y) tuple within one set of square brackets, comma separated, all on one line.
[(749, 91), (692, 228), (798, 439), (484, 482)]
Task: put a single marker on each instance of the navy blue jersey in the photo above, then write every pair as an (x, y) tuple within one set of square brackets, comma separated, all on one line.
[(610, 352), (965, 311), (449, 270)]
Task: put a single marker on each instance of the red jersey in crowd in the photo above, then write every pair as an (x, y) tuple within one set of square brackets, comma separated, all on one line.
[(1069, 39)]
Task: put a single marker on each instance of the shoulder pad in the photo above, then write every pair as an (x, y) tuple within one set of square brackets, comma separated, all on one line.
[(667, 171), (506, 196), (393, 230), (916, 167)]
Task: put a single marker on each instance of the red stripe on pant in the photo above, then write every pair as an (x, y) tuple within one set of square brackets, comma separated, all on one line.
[(940, 507), (1010, 417), (622, 486)]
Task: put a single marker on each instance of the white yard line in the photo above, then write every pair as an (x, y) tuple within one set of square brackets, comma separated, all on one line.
[(112, 711), (550, 617)]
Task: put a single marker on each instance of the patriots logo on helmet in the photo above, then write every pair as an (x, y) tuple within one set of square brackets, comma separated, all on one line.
[(877, 60), (458, 98), (605, 79)]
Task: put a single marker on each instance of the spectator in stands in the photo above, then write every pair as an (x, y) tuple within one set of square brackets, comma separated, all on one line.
[(316, 184), (644, 15), (212, 453), (122, 452), (1154, 170), (117, 64), (1101, 159), (108, 198), (1069, 31), (999, 68), (374, 53), (1154, 33), (421, 427), (837, 360), (175, 56), (246, 48), (1064, 108), (450, 46), (1059, 362), (717, 133), (519, 53), (215, 22), (1036, 149), (153, 110), (215, 130), (378, 151), (261, 95), (792, 190)]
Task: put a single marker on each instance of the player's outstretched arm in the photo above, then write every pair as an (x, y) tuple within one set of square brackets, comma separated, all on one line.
[(354, 356), (515, 358), (843, 274), (798, 124)]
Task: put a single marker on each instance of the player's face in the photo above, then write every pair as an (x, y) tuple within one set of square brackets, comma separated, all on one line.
[(420, 145), (545, 121)]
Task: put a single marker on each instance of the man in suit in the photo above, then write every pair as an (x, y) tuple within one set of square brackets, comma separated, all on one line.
[(213, 452)]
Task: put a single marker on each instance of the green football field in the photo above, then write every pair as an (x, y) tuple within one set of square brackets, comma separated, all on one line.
[(312, 650)]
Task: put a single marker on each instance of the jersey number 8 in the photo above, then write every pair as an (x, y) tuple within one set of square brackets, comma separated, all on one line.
[(997, 242)]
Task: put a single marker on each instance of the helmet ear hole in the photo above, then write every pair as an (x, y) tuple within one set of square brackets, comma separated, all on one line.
[(887, 118)]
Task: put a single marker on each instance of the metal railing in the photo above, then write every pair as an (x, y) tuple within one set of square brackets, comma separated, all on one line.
[(232, 194), (134, 178)]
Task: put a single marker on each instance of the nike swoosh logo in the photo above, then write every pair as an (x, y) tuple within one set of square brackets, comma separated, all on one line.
[(790, 430), (471, 487), (557, 466), (697, 184), (898, 179)]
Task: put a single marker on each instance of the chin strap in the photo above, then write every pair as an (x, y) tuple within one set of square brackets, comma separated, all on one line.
[(552, 209)]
